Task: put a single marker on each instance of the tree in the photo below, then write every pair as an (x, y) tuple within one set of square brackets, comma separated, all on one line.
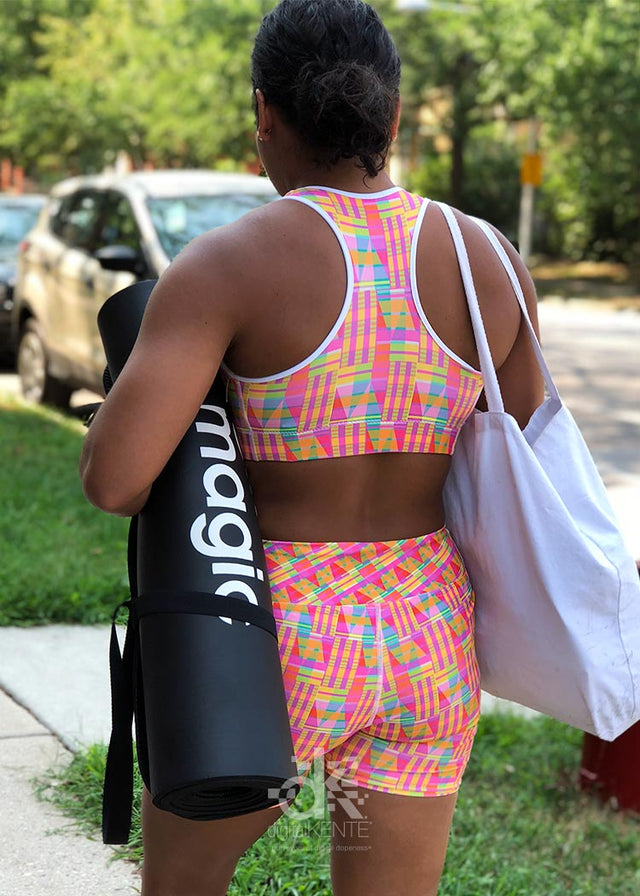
[(166, 81), (21, 23), (575, 65), (594, 129), (474, 54)]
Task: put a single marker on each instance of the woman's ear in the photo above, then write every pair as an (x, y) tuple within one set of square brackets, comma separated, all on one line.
[(264, 116), (396, 123)]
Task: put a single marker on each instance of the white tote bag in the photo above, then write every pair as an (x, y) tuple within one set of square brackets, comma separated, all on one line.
[(557, 593)]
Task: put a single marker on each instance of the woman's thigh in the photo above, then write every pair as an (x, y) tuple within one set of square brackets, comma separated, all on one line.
[(194, 858), (387, 844)]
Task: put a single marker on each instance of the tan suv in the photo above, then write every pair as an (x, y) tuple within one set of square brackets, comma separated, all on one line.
[(96, 236)]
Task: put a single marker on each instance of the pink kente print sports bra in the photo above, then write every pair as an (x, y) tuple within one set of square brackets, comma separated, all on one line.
[(381, 380)]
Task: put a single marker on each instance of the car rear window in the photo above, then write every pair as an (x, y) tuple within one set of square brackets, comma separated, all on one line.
[(178, 220), (15, 222)]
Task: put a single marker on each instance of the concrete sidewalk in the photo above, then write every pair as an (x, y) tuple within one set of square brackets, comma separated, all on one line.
[(60, 673), (39, 853)]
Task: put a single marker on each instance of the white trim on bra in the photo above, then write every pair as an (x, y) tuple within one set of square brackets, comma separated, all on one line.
[(416, 296), (343, 312), (349, 290)]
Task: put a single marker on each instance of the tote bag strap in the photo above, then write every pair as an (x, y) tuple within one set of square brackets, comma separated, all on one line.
[(490, 379), (517, 288)]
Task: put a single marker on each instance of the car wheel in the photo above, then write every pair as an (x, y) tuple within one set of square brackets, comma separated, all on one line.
[(36, 382)]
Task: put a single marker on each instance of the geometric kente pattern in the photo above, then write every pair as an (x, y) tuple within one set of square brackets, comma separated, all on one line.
[(380, 381), (376, 647)]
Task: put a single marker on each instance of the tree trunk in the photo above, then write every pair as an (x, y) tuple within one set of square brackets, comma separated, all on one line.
[(457, 167), (463, 101)]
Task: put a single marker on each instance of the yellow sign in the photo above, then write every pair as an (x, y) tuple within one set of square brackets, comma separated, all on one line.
[(531, 171)]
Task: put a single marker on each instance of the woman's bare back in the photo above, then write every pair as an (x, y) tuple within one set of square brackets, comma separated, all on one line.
[(373, 497), (262, 293)]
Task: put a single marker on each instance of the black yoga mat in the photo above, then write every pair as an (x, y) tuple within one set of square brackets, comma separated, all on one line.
[(201, 663)]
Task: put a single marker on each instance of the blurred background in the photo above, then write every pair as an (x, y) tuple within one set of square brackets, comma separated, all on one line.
[(494, 92)]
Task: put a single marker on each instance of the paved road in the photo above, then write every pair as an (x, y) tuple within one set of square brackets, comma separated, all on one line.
[(594, 357)]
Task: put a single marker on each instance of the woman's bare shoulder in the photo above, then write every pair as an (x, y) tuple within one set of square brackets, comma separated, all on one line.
[(225, 268), (252, 250), (518, 371), (266, 230), (487, 264)]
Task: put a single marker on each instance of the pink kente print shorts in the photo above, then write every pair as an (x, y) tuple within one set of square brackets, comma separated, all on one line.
[(376, 646)]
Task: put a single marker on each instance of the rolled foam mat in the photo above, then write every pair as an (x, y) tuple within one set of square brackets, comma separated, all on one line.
[(213, 735)]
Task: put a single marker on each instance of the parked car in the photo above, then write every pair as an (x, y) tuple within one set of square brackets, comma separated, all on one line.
[(96, 236), (18, 214)]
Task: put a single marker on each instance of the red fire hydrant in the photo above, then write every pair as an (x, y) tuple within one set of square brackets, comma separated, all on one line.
[(612, 768)]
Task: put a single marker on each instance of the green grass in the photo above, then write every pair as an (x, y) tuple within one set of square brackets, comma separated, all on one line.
[(522, 827), (62, 560)]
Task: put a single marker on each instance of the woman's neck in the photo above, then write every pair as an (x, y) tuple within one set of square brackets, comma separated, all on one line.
[(345, 176)]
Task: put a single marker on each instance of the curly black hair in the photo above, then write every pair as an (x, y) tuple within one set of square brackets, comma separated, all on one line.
[(331, 68)]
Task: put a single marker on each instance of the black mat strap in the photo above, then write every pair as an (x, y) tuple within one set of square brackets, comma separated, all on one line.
[(118, 779), (203, 604), (117, 798)]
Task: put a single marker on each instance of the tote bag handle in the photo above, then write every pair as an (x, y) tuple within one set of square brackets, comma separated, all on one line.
[(490, 379)]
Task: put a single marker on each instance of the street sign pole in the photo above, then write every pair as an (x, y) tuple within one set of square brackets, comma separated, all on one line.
[(530, 178)]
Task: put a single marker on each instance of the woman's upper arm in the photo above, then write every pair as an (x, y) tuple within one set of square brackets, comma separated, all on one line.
[(190, 320), (517, 367), (519, 375)]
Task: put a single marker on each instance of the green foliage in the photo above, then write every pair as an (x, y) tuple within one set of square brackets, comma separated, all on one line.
[(62, 560), (492, 185), (594, 131), (21, 21), (169, 83), (575, 66), (522, 827), (491, 188)]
